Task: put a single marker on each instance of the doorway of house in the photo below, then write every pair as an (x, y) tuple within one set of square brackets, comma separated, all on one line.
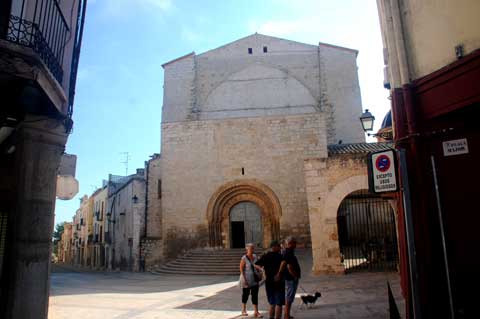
[(245, 225)]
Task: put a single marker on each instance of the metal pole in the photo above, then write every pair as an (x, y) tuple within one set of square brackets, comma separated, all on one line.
[(412, 254), (444, 244)]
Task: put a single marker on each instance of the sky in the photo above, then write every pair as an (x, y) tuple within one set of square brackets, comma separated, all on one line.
[(119, 89)]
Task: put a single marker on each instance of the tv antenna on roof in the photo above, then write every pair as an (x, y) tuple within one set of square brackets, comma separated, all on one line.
[(127, 158)]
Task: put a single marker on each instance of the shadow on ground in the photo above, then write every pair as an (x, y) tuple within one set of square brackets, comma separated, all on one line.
[(66, 280)]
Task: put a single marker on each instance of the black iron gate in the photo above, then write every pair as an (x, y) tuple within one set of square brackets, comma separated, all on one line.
[(367, 233)]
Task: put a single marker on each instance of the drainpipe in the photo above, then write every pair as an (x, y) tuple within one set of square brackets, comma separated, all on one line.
[(147, 165), (399, 42), (399, 58), (404, 71)]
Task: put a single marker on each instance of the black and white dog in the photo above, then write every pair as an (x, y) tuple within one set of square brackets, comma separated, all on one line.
[(310, 299)]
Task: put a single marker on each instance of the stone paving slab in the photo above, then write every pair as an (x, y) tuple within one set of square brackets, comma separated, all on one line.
[(119, 295)]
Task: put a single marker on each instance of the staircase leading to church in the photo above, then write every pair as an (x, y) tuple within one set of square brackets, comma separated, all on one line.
[(205, 262), (218, 262)]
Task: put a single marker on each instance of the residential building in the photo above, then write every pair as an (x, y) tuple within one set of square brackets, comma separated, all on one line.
[(77, 240), (39, 52), (432, 58), (65, 244), (100, 199), (89, 240), (125, 221), (84, 229)]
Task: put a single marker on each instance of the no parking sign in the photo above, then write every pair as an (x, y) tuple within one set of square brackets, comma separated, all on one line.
[(382, 172)]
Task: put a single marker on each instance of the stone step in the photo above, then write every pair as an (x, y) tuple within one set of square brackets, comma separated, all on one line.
[(193, 273), (205, 262), (198, 270), (208, 262), (214, 255), (210, 259), (190, 266)]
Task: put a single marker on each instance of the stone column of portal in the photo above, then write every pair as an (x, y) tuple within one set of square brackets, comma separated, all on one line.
[(40, 145)]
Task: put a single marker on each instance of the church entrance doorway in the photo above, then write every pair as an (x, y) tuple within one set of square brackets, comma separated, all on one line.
[(238, 234), (246, 225)]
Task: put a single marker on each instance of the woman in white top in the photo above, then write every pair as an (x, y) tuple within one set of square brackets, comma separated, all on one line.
[(249, 283)]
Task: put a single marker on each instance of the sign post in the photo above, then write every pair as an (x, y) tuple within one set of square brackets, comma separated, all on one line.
[(382, 178), (382, 171)]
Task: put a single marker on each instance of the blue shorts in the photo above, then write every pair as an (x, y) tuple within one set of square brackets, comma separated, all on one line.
[(292, 286), (275, 295)]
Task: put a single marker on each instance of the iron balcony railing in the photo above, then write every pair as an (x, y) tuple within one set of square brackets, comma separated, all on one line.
[(41, 26)]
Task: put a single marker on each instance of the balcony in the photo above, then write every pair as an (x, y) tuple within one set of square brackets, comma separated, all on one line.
[(44, 30), (40, 43)]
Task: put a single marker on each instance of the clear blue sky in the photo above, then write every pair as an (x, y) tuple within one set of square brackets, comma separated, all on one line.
[(119, 87)]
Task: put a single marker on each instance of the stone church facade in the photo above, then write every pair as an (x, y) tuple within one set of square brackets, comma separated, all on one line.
[(242, 127)]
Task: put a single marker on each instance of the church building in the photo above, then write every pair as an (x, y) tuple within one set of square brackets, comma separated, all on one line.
[(245, 128)]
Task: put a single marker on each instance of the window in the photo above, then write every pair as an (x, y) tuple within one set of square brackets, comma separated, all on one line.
[(265, 49), (159, 190), (250, 50)]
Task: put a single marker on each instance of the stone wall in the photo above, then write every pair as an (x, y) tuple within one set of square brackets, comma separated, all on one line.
[(152, 250), (154, 198), (290, 78), (328, 182), (340, 95), (231, 116), (152, 244), (199, 157)]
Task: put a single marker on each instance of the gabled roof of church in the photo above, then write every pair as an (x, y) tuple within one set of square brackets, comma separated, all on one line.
[(259, 35), (179, 58)]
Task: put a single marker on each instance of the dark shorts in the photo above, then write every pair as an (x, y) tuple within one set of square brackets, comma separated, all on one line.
[(275, 293), (292, 286)]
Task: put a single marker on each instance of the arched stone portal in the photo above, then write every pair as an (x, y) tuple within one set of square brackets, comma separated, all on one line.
[(367, 233), (233, 193)]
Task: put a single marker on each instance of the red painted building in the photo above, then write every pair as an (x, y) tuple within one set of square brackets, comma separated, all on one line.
[(432, 55)]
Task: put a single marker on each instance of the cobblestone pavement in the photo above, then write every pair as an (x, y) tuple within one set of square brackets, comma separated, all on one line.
[(120, 295)]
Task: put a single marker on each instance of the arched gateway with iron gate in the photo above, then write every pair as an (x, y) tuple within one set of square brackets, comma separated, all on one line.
[(367, 233), (241, 212)]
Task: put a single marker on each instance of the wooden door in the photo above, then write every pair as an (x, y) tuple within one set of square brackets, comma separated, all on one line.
[(249, 214)]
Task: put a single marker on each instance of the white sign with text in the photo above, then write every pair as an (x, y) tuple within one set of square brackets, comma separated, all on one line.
[(455, 147)]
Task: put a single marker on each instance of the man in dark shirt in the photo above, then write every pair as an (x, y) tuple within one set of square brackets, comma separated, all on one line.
[(292, 274), (274, 286)]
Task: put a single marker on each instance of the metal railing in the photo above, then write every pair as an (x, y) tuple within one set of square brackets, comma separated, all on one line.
[(41, 26), (367, 233)]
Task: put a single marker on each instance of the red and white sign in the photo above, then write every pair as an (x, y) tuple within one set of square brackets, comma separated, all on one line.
[(383, 173)]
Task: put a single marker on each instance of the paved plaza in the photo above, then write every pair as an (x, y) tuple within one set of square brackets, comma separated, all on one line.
[(122, 295)]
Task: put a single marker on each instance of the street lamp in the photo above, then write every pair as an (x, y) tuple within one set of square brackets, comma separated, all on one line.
[(367, 120)]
